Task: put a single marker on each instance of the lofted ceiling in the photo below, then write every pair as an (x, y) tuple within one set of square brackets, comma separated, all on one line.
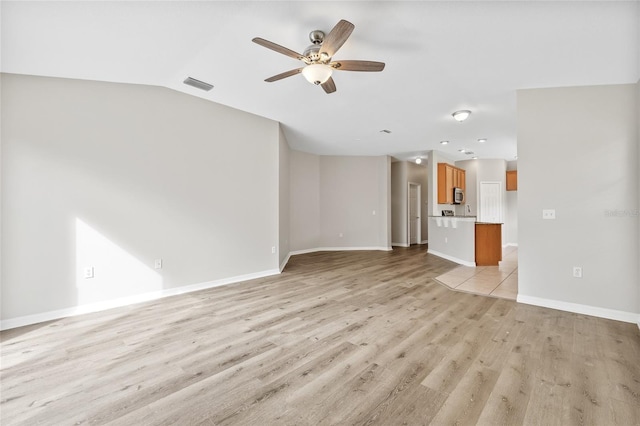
[(440, 57)]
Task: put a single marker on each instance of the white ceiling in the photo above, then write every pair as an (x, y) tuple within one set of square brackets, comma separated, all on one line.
[(440, 57)]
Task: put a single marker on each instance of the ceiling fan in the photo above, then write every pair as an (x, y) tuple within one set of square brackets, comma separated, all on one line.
[(318, 57)]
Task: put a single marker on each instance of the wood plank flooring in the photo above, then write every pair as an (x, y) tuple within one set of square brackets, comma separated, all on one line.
[(339, 338)]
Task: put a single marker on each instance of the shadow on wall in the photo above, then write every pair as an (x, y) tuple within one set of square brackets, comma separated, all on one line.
[(105, 270)]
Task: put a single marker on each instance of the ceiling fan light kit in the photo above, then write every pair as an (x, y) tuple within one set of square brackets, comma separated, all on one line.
[(461, 115), (317, 73), (319, 66)]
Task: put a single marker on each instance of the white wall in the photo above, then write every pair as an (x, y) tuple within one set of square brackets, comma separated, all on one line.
[(114, 176), (284, 199), (578, 154), (305, 201)]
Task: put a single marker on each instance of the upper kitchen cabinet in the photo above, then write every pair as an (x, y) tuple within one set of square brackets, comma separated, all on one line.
[(512, 180), (449, 177)]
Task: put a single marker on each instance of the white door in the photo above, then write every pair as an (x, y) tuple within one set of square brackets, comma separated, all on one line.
[(490, 202), (414, 213)]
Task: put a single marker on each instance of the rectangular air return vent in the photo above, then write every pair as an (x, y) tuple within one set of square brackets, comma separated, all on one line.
[(198, 84)]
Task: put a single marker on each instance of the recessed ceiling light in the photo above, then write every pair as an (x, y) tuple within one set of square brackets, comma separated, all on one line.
[(482, 140), (461, 115), (469, 152), (444, 142), (418, 160), (385, 131), (474, 158), (515, 158), (462, 150)]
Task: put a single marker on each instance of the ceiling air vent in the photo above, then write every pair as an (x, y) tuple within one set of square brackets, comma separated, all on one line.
[(198, 84)]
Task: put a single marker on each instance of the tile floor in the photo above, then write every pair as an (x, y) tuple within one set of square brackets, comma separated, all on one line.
[(499, 281)]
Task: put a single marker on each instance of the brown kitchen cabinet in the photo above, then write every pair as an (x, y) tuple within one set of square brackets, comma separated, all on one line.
[(488, 244), (449, 177), (512, 180)]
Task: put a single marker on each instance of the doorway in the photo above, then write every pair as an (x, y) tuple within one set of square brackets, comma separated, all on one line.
[(414, 214)]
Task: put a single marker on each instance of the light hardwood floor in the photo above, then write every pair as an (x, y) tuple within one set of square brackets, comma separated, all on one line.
[(339, 338)]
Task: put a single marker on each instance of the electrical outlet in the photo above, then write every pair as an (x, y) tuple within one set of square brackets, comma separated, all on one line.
[(157, 264), (273, 250), (446, 240), (549, 214), (577, 272), (88, 272)]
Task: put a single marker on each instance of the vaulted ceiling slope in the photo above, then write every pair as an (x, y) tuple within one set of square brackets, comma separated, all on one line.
[(440, 57)]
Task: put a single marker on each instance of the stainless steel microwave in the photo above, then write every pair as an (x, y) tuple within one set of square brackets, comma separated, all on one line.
[(458, 196)]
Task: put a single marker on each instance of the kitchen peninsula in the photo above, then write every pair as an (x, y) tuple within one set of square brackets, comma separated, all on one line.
[(463, 240)]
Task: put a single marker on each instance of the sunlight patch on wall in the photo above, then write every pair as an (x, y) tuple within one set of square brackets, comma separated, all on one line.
[(105, 271)]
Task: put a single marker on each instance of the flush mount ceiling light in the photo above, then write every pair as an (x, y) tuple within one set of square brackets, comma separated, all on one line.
[(444, 142), (483, 140), (418, 160), (461, 115), (317, 73)]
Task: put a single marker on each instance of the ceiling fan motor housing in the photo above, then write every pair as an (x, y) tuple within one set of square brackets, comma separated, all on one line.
[(313, 51)]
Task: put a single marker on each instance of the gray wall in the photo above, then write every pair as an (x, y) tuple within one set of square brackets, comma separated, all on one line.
[(284, 199), (578, 154), (403, 173), (510, 228), (418, 173), (354, 201), (305, 201), (399, 203), (114, 176), (333, 195)]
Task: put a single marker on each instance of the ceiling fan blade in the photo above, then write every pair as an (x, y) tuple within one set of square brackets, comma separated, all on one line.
[(357, 65), (336, 38), (280, 49), (329, 86), (283, 75)]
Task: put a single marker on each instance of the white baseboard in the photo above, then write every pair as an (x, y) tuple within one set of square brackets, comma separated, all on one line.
[(594, 311), (125, 301), (399, 245), (313, 250), (284, 262), (451, 258), (510, 245), (424, 242)]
